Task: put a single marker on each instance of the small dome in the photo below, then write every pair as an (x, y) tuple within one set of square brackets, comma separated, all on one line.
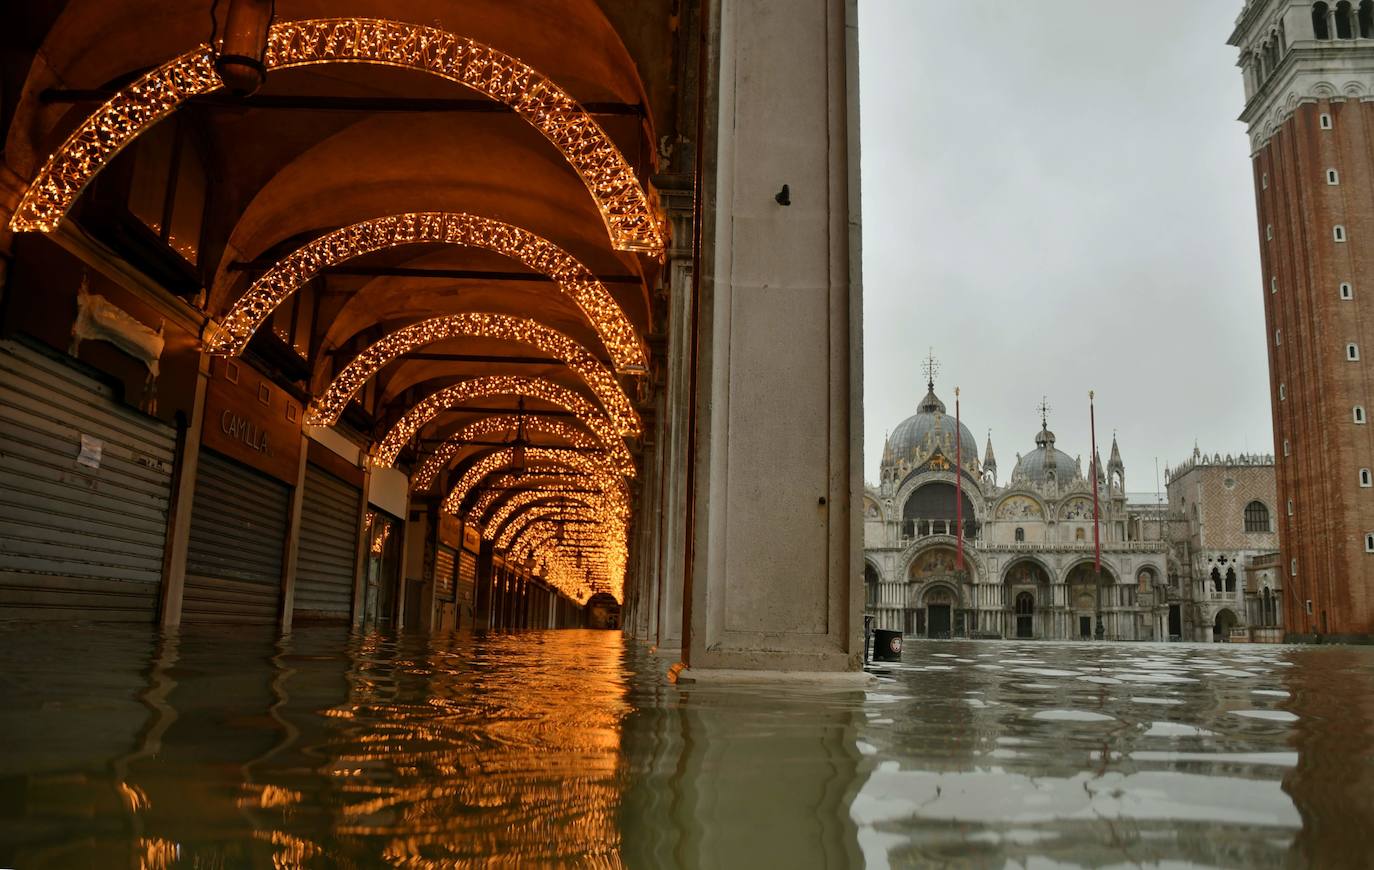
[(1035, 466), (931, 429)]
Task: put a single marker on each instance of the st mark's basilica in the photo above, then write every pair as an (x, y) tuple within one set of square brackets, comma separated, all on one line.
[(1028, 551)]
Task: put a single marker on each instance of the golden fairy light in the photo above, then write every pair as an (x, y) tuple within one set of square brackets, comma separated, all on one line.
[(452, 228), (504, 521), (503, 424), (325, 410), (606, 479), (490, 524), (558, 513), (629, 215), (497, 488), (501, 385)]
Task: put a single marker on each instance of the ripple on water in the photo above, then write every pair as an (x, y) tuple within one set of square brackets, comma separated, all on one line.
[(1177, 729), (1170, 702), (1267, 715), (1045, 672), (1071, 716)]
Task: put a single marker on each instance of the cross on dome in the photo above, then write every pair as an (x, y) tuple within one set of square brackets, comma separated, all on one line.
[(931, 366), (1044, 409)]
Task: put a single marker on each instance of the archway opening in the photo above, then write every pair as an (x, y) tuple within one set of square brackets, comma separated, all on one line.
[(1223, 624), (930, 510), (1025, 614)]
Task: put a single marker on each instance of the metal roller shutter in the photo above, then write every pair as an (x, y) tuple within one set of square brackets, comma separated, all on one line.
[(467, 577), (77, 541), (443, 573), (328, 547), (238, 536)]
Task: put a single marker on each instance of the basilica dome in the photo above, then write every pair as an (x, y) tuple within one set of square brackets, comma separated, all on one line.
[(931, 429), (1035, 466)]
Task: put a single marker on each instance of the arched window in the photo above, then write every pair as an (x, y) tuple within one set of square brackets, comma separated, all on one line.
[(1230, 579), (1216, 579), (1079, 535), (1320, 30), (1367, 19), (1343, 21), (1256, 517), (1020, 535)]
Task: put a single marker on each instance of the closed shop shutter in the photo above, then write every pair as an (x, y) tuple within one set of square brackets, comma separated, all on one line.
[(328, 547), (238, 536), (78, 541), (443, 573), (467, 577)]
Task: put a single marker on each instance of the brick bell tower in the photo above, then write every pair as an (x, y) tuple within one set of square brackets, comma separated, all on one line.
[(1309, 109)]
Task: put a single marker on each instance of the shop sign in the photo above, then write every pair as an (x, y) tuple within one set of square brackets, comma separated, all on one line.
[(252, 420)]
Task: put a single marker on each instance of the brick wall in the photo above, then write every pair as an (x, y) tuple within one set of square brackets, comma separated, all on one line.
[(1298, 210)]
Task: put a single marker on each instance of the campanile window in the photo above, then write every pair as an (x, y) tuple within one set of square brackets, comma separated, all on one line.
[(1338, 232), (1347, 292)]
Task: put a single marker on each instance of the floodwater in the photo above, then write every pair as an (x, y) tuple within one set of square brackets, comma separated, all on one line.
[(236, 748)]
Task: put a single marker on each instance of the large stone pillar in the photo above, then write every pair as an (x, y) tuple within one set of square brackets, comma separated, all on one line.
[(676, 422), (776, 579)]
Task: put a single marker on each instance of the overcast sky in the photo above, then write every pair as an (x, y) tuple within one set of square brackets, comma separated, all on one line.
[(1057, 198)]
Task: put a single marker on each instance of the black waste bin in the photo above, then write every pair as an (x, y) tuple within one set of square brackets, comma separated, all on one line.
[(887, 645)]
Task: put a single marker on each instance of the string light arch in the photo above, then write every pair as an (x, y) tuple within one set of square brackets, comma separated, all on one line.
[(440, 458), (488, 516), (604, 479), (325, 410), (568, 482), (451, 397), (584, 516), (626, 209), (492, 527), (451, 228)]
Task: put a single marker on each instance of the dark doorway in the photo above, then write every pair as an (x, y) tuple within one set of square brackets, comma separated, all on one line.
[(1025, 615), (1085, 627), (910, 623), (1175, 622), (939, 620)]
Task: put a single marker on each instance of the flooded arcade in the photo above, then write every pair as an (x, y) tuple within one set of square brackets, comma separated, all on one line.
[(213, 748)]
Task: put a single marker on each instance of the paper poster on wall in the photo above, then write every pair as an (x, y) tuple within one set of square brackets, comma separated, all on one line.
[(90, 452)]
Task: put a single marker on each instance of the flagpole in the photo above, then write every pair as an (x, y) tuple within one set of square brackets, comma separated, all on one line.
[(958, 484), (1097, 524)]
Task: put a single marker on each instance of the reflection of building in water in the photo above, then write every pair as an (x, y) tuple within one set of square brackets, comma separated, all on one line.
[(1221, 527), (1028, 570)]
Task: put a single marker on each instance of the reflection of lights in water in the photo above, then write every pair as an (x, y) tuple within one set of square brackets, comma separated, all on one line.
[(155, 853), (441, 757)]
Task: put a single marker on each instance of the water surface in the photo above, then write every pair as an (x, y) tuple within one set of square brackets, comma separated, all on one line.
[(236, 747)]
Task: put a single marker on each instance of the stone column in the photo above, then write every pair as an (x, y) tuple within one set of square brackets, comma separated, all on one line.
[(676, 422), (363, 553), (776, 577), (293, 542), (179, 522), (481, 594)]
